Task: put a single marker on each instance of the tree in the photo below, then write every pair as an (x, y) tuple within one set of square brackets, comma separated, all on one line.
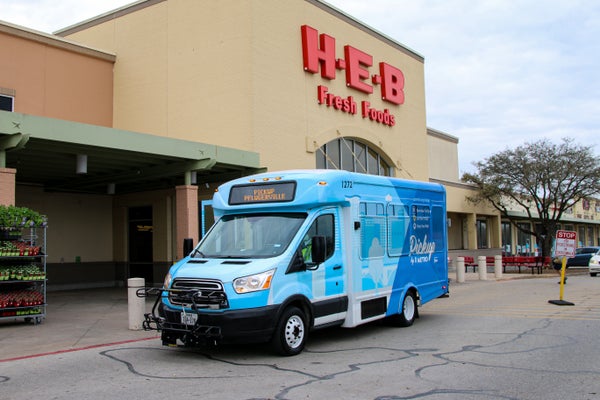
[(542, 178)]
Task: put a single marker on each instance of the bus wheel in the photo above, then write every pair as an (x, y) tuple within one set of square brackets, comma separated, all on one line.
[(290, 334), (409, 312)]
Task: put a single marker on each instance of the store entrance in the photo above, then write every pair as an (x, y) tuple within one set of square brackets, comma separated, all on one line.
[(140, 243)]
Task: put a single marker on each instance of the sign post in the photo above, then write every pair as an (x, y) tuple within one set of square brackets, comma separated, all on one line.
[(565, 247)]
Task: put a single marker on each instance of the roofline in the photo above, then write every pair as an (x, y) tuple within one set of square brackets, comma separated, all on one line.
[(54, 41), (460, 185), (141, 4), (564, 218), (442, 135), (107, 16)]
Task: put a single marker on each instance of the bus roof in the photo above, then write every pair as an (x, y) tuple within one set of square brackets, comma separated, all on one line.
[(307, 188)]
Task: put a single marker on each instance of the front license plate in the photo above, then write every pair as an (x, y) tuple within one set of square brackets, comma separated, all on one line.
[(189, 319)]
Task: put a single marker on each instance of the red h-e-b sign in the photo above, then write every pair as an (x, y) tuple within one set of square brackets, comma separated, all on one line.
[(318, 52), (565, 243)]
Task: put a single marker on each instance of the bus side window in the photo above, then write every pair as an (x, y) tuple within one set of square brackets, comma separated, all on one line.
[(372, 230)]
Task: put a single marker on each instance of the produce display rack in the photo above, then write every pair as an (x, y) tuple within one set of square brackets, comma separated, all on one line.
[(23, 274)]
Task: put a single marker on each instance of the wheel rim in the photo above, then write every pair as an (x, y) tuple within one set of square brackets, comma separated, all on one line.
[(294, 331), (408, 309)]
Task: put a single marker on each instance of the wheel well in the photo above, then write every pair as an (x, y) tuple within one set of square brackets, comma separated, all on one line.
[(303, 304), (417, 297)]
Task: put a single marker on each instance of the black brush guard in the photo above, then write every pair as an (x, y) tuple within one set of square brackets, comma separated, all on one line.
[(164, 321)]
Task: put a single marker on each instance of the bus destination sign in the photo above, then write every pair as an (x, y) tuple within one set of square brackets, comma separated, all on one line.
[(262, 193)]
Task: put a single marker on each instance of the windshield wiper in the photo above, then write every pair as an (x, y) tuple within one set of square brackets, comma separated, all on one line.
[(198, 252)]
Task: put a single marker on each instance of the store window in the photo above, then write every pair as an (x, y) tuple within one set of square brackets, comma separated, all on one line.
[(507, 237), (352, 155), (523, 239), (585, 204), (6, 103), (581, 239), (482, 234)]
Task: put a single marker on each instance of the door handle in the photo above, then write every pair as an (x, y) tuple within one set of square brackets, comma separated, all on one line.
[(337, 267)]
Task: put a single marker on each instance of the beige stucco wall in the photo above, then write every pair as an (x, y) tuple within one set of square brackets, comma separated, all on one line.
[(79, 225), (456, 200), (230, 73), (55, 79), (443, 156)]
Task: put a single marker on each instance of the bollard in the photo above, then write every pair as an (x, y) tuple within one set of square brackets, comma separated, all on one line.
[(460, 269), (482, 268), (498, 267), (136, 305)]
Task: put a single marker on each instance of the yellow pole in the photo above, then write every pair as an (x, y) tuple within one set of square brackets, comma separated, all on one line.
[(562, 276)]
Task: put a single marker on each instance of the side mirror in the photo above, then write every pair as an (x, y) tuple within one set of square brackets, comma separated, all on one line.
[(318, 250)]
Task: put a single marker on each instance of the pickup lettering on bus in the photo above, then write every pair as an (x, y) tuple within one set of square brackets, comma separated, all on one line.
[(294, 251)]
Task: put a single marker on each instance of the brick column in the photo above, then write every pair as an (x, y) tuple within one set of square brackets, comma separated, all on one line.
[(186, 218), (7, 186)]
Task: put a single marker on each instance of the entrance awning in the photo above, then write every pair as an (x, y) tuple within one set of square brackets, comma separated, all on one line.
[(45, 151)]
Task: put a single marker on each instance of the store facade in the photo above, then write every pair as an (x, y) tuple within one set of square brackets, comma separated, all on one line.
[(191, 94)]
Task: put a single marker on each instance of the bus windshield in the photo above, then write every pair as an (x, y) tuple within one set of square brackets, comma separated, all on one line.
[(250, 236)]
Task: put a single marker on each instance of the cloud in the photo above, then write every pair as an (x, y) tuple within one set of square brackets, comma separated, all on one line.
[(500, 73)]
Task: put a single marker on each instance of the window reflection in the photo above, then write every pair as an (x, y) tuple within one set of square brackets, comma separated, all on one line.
[(351, 155)]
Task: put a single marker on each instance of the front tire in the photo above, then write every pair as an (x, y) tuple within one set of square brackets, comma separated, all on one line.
[(291, 332)]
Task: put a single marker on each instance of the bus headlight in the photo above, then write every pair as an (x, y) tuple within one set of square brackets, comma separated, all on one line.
[(253, 283), (167, 281)]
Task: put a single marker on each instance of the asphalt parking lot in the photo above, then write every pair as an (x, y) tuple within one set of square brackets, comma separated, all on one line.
[(77, 319), (493, 339)]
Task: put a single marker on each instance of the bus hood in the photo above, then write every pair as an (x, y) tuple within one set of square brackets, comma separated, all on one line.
[(224, 270)]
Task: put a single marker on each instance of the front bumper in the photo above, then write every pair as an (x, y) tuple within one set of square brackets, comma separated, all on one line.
[(227, 326)]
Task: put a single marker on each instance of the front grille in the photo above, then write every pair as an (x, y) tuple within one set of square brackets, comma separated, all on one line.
[(200, 293)]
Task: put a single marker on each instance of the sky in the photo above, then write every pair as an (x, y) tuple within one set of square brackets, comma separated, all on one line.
[(498, 74)]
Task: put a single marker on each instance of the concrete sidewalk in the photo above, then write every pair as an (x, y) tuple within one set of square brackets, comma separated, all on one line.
[(75, 319), (79, 319)]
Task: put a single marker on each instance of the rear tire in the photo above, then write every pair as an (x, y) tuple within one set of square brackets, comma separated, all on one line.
[(407, 314), (291, 332), (593, 273)]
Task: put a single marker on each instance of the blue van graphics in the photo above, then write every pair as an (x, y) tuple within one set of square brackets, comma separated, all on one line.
[(293, 251)]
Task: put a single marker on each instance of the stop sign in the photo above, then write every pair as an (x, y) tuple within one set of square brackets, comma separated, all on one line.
[(565, 243)]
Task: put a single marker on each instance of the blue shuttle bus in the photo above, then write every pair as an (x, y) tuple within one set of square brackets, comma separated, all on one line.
[(293, 251)]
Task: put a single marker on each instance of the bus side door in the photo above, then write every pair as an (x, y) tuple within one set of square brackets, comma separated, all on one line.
[(328, 277)]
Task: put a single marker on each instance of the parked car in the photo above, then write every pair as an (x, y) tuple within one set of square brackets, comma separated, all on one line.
[(594, 264), (581, 259)]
